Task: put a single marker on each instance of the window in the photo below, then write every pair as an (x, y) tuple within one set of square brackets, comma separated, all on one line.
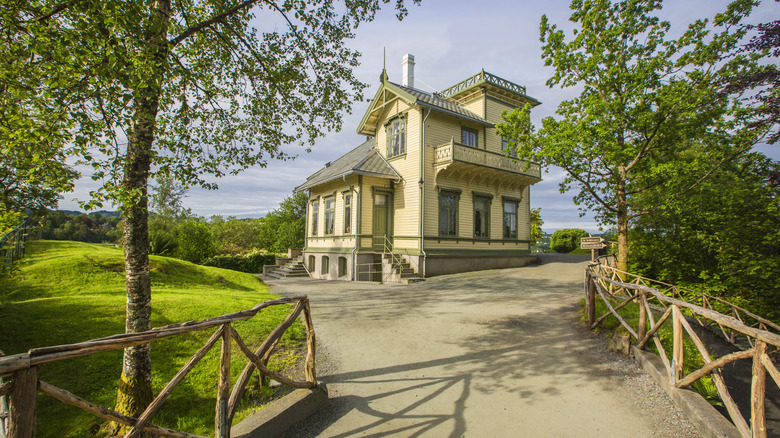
[(342, 266), (312, 265), (325, 265), (315, 213), (468, 137), (330, 215), (509, 150), (510, 219), (396, 137), (481, 216), (448, 213), (347, 213)]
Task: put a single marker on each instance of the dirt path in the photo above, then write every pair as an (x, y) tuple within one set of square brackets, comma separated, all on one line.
[(486, 354)]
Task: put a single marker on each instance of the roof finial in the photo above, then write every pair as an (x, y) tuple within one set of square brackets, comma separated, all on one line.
[(383, 77)]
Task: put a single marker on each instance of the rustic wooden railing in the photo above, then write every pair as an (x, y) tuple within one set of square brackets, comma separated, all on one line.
[(12, 246), (763, 340), (25, 385)]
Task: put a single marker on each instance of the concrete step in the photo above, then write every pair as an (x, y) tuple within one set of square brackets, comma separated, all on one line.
[(410, 280)]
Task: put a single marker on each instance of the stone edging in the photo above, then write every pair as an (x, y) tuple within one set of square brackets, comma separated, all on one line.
[(708, 421)]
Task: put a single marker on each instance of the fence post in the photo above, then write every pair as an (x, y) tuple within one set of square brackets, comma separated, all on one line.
[(22, 408), (223, 392), (758, 393), (677, 351), (591, 299), (642, 315)]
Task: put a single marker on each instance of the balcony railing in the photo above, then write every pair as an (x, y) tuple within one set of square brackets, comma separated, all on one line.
[(458, 153)]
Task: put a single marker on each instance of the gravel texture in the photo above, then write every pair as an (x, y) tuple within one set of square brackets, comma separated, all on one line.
[(484, 354)]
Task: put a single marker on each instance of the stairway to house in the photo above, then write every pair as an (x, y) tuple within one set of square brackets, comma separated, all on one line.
[(293, 268), (407, 274)]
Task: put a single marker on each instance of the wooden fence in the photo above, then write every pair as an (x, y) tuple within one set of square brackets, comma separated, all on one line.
[(25, 385), (12, 245), (758, 338)]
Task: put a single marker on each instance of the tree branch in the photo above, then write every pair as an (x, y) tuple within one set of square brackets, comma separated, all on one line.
[(210, 22)]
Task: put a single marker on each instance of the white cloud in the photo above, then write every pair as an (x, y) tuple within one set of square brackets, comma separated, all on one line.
[(451, 40)]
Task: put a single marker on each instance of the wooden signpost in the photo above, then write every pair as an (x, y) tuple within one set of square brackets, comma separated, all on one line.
[(592, 243)]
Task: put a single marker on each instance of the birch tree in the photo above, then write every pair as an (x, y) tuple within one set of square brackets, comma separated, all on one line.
[(187, 88)]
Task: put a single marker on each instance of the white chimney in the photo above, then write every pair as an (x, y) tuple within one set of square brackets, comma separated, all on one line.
[(408, 66)]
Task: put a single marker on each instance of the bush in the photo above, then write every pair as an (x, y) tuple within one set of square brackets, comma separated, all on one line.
[(196, 243), (251, 263), (162, 243), (565, 241)]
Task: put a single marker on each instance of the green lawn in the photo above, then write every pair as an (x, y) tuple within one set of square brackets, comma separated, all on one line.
[(65, 292)]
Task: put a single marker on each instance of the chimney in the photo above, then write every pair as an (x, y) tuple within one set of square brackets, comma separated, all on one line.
[(408, 66)]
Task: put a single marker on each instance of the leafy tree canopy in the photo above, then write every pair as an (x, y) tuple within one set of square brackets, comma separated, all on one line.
[(647, 100)]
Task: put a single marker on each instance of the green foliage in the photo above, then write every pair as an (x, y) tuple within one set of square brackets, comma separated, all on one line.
[(9, 220), (251, 263), (284, 227), (567, 240), (195, 241), (94, 228), (162, 243), (67, 292), (235, 236), (728, 245), (536, 224), (647, 101)]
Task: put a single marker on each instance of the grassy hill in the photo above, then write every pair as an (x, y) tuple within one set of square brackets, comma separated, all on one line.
[(65, 292)]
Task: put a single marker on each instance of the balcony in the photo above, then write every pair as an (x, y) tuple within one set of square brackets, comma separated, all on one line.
[(472, 158)]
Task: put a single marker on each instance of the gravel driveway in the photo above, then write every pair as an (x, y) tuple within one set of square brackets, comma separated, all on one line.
[(484, 354)]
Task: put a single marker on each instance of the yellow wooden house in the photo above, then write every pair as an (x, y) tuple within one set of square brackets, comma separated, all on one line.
[(433, 190)]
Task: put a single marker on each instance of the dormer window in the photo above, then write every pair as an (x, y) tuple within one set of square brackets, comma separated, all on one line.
[(396, 137), (468, 137)]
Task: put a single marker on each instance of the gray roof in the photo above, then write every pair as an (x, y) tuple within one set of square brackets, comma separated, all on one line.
[(363, 160), (442, 104)]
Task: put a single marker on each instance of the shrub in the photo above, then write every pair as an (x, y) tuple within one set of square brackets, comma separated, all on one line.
[(162, 243), (251, 263), (196, 243), (565, 241)]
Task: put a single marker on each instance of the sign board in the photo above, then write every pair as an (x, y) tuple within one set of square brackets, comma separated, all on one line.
[(592, 243)]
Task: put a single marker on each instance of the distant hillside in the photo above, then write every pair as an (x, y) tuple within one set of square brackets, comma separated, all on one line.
[(103, 213)]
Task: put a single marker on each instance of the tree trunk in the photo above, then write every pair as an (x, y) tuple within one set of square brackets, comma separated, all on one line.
[(622, 221), (135, 387)]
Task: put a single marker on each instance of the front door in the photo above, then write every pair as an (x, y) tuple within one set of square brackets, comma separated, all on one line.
[(381, 212)]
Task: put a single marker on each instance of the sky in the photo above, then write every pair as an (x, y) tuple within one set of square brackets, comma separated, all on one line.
[(451, 40)]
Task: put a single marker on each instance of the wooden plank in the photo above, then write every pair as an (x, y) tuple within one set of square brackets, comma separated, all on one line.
[(311, 345), (618, 307), (105, 413), (221, 426), (720, 362), (655, 326), (259, 365), (678, 355), (642, 329), (265, 347), (771, 368), (591, 289), (758, 393), (717, 378), (6, 388), (155, 405), (763, 335), (620, 318), (22, 407)]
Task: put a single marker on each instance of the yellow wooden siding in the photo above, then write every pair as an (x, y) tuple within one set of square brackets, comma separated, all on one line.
[(338, 239), (476, 106), (494, 111)]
